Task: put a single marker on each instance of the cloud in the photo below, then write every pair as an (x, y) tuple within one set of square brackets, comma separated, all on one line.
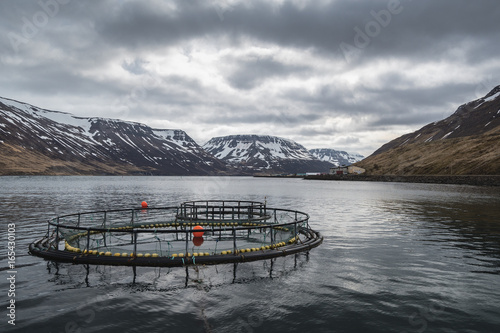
[(251, 73), (135, 66), (215, 68)]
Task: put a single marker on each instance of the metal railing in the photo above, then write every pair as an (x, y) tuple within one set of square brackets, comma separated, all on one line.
[(230, 227)]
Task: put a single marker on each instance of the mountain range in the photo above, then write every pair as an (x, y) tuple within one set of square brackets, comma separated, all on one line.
[(39, 141), (465, 143), (336, 157), (265, 154)]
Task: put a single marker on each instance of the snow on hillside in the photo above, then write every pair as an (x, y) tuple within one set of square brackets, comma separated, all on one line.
[(336, 157), (264, 153), (241, 148), (470, 119), (61, 135)]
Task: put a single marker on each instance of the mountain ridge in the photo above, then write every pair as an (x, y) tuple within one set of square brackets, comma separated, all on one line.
[(473, 118), (336, 157), (465, 143), (34, 140), (96, 145), (264, 154)]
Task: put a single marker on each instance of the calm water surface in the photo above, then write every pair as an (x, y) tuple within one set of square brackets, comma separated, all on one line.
[(396, 258)]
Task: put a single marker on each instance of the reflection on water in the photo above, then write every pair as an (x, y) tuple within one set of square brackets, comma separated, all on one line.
[(166, 279), (395, 258), (464, 222)]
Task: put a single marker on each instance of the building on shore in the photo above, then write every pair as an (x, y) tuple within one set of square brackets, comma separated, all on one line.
[(346, 170)]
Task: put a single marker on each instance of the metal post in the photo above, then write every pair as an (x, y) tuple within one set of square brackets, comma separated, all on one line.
[(78, 223), (187, 243), (57, 234), (272, 235), (88, 240), (234, 240), (135, 243)]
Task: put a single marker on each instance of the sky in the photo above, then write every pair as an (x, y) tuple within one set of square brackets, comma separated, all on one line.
[(349, 75)]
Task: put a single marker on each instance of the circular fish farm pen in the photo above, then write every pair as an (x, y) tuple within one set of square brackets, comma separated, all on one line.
[(193, 233)]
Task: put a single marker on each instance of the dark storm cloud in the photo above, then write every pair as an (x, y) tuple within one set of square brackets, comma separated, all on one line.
[(251, 73), (246, 116), (419, 28), (385, 64)]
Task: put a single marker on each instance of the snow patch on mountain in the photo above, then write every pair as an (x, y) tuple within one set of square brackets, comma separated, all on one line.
[(336, 157), (94, 140), (243, 148), (470, 119), (264, 153)]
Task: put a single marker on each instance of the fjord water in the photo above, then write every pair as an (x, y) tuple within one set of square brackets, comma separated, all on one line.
[(396, 257)]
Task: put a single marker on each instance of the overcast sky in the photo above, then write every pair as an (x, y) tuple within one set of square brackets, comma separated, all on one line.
[(349, 75)]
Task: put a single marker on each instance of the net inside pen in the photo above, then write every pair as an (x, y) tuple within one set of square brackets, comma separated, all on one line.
[(197, 228)]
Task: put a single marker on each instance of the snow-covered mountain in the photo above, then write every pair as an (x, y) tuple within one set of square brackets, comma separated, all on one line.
[(473, 118), (36, 140), (336, 157), (264, 153), (465, 143)]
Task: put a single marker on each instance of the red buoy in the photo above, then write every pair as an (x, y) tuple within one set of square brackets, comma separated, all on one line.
[(197, 241), (144, 204), (198, 233)]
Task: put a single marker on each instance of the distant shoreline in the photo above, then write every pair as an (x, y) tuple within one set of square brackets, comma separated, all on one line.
[(476, 180)]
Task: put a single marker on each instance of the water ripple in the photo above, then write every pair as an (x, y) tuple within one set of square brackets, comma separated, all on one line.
[(395, 258)]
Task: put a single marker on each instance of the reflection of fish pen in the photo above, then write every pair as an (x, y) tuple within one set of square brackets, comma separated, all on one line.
[(196, 232), (171, 278)]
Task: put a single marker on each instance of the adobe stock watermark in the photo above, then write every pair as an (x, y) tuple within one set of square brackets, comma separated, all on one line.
[(484, 87), (250, 324), (220, 10), (31, 26), (372, 29), (420, 320), (140, 92), (216, 186), (84, 315), (280, 119), (11, 273)]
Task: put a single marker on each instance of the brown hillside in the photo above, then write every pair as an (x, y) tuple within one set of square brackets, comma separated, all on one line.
[(16, 160), (470, 155)]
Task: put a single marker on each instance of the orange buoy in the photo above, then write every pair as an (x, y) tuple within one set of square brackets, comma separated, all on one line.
[(197, 241), (198, 233), (144, 204)]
